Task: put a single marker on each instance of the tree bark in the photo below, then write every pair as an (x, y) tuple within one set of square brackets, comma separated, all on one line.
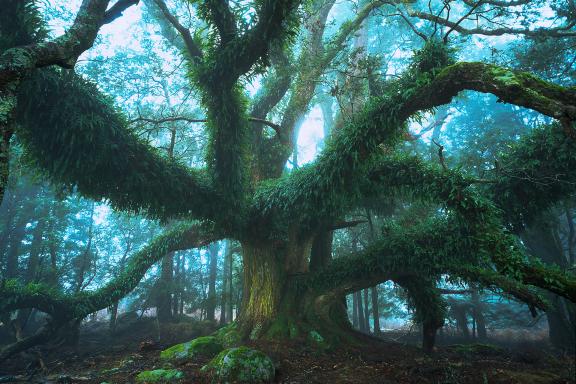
[(366, 311), (165, 285), (355, 317), (375, 310), (225, 297), (213, 271)]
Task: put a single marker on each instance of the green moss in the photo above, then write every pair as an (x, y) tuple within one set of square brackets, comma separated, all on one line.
[(317, 340), (241, 365), (207, 346), (160, 376), (228, 336)]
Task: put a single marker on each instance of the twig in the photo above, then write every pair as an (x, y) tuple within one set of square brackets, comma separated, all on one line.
[(441, 155)]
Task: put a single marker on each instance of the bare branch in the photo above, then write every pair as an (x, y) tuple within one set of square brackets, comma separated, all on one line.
[(563, 31), (272, 125), (441, 154), (193, 49)]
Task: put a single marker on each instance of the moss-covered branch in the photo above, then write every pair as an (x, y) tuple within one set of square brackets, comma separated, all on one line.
[(433, 248), (332, 182), (23, 52), (64, 308), (80, 139)]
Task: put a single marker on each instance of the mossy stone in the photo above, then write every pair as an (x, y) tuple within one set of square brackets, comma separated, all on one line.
[(228, 336), (207, 346), (160, 376), (241, 365)]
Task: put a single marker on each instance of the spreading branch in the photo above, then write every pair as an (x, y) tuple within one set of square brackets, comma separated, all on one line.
[(430, 249)]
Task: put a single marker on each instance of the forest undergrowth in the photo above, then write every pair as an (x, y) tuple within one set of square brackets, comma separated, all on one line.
[(394, 358)]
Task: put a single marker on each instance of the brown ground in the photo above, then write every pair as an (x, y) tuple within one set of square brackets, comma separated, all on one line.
[(102, 359)]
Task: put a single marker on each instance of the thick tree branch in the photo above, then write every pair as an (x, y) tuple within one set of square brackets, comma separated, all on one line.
[(382, 122), (100, 156), (221, 15), (430, 249), (63, 51)]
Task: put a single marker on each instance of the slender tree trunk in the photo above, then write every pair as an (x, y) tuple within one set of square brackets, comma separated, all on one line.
[(12, 255), (230, 308), (164, 296), (478, 313), (213, 271), (375, 310), (461, 320), (361, 314), (177, 286), (113, 318), (366, 311), (225, 272), (355, 317)]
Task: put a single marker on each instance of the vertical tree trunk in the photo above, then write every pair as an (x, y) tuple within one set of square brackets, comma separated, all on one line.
[(164, 296), (461, 320), (375, 310), (177, 286), (12, 254), (361, 318), (211, 303), (479, 315), (230, 308), (225, 293), (113, 318), (366, 311), (355, 318)]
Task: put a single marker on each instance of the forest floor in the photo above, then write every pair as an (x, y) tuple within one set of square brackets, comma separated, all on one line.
[(100, 359)]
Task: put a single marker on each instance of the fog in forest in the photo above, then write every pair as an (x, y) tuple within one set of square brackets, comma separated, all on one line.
[(319, 191)]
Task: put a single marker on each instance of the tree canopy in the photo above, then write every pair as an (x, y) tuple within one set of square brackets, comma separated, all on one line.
[(255, 70)]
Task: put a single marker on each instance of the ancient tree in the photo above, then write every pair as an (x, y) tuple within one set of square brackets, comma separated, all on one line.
[(283, 219)]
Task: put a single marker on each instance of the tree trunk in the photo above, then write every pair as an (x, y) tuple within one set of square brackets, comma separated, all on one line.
[(366, 312), (459, 313), (355, 319), (12, 254), (164, 293), (225, 293), (479, 315), (560, 328), (177, 286), (230, 308), (211, 303), (361, 313), (375, 310), (113, 317)]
